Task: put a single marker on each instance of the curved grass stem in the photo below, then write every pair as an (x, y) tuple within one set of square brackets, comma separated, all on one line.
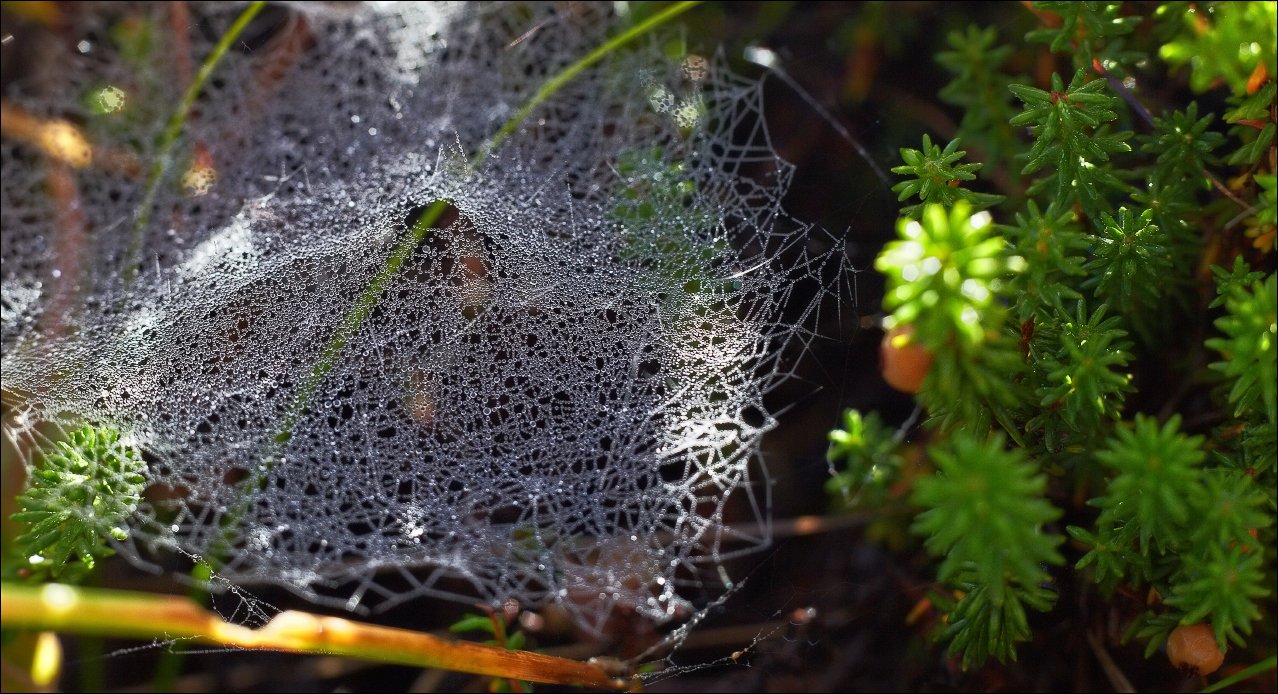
[(97, 611), (168, 139)]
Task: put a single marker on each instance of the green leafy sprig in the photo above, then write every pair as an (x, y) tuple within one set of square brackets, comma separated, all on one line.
[(1088, 31), (1130, 262), (938, 177), (985, 514), (1250, 347), (78, 496), (946, 277), (1067, 124)]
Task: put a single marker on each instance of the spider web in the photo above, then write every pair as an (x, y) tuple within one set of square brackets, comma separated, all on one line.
[(558, 397)]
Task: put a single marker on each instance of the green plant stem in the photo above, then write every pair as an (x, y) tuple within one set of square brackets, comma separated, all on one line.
[(169, 138), (128, 614), (566, 75), (1250, 671)]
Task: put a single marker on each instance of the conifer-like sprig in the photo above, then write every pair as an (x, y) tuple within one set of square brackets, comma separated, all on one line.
[(1250, 347), (1260, 453), (1158, 484), (1172, 203), (1087, 30), (938, 178), (1114, 560), (1086, 378), (944, 273), (947, 276), (981, 628), (984, 512), (1240, 275), (1234, 515), (867, 451), (1131, 262), (979, 87), (1068, 136), (80, 494), (1224, 586), (1052, 246), (1183, 143)]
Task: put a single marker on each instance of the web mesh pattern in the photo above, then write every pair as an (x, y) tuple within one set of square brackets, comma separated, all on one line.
[(557, 397)]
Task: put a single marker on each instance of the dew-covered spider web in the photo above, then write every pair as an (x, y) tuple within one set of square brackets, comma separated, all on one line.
[(556, 396)]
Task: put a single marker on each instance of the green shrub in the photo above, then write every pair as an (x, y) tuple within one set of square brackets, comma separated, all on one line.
[(1041, 327)]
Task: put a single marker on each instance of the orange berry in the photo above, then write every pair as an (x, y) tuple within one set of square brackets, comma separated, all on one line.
[(904, 363), (1194, 648)]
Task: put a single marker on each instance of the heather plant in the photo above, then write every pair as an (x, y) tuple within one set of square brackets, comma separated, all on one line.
[(1038, 328)]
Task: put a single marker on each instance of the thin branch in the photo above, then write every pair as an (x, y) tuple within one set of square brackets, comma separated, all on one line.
[(97, 611), (1117, 679)]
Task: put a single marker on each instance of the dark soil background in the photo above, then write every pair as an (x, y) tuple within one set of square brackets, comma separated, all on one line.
[(832, 604)]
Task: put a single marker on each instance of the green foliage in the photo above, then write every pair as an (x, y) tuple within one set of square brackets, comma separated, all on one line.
[(1070, 137), (1130, 262), (1156, 487), (655, 209), (1183, 143), (1220, 41), (1253, 125), (494, 627), (1030, 326), (79, 495), (946, 276), (1249, 346), (1224, 587), (938, 177), (980, 88), (1268, 203), (1224, 583), (1088, 31), (868, 453), (1184, 149), (984, 513), (1188, 530), (1085, 382), (657, 194), (1052, 245)]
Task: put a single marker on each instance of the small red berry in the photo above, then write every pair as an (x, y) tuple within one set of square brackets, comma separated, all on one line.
[(904, 362), (1194, 648)]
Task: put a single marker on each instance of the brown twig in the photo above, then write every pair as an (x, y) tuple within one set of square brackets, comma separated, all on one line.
[(96, 611), (1117, 679)]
